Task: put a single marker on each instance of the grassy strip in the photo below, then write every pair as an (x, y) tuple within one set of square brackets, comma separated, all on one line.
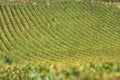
[(103, 71)]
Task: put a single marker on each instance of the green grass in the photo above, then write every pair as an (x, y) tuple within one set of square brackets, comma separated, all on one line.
[(65, 33), (104, 71), (117, 5)]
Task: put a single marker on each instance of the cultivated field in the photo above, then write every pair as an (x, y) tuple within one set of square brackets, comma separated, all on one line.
[(41, 41)]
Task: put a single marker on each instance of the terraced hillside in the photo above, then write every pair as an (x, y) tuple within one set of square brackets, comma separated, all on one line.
[(67, 33), (62, 32)]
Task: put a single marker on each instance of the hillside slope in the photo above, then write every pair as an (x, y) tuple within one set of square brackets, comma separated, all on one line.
[(66, 32)]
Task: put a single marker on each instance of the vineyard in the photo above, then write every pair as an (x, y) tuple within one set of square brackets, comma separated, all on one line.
[(62, 34)]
